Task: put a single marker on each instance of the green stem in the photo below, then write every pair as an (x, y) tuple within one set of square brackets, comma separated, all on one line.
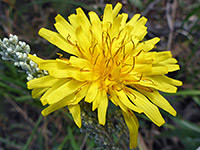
[(33, 133)]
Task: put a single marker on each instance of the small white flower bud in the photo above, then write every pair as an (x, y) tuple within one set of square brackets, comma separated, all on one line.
[(5, 58), (19, 55), (15, 39), (16, 64), (40, 75), (20, 43), (6, 54), (38, 69), (45, 72), (17, 49), (33, 64), (29, 78), (23, 65), (24, 55), (5, 40), (23, 44), (9, 50), (27, 48)]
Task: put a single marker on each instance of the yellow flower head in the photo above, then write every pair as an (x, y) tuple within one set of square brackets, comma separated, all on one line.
[(109, 62)]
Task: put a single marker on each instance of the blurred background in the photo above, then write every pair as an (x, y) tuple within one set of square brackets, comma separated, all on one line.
[(175, 22)]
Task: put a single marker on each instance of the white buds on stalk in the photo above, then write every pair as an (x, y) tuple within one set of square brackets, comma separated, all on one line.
[(17, 51)]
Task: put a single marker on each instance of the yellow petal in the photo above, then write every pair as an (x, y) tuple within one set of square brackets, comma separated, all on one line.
[(42, 82), (169, 61), (64, 28), (124, 99), (80, 94), (172, 67), (63, 91), (59, 41), (59, 73), (96, 100), (116, 26), (93, 17), (54, 65), (80, 62), (124, 19), (36, 59), (160, 56), (50, 90), (102, 108), (83, 20), (139, 32), (73, 21), (150, 44), (108, 15), (133, 19), (79, 74), (141, 22), (159, 100), (83, 40), (113, 97), (150, 110), (132, 123), (116, 10), (53, 107), (97, 31), (75, 110), (92, 92), (38, 92), (160, 83), (61, 20), (157, 70), (170, 80)]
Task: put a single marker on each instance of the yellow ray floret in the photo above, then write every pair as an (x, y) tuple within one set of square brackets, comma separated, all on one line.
[(110, 63)]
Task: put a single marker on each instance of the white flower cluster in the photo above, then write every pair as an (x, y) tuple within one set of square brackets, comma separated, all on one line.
[(17, 51)]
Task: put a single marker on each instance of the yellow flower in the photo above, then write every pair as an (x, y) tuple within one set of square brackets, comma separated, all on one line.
[(109, 62)]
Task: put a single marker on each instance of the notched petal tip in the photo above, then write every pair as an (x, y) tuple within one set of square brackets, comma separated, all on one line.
[(116, 9), (28, 85), (41, 31), (58, 17), (44, 113)]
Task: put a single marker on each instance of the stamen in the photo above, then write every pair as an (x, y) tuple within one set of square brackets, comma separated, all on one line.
[(127, 90), (60, 55), (96, 59), (140, 52), (133, 66), (67, 38), (148, 89), (92, 52)]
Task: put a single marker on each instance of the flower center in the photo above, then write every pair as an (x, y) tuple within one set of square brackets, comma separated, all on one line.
[(111, 59)]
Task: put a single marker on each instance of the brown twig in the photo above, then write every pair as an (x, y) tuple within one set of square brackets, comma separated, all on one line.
[(83, 142), (142, 145), (171, 14), (21, 111), (150, 7)]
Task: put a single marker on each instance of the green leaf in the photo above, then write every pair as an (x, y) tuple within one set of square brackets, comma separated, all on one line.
[(26, 146), (187, 125), (23, 98), (9, 88), (12, 80), (183, 93), (60, 147), (137, 3), (196, 99), (72, 139)]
